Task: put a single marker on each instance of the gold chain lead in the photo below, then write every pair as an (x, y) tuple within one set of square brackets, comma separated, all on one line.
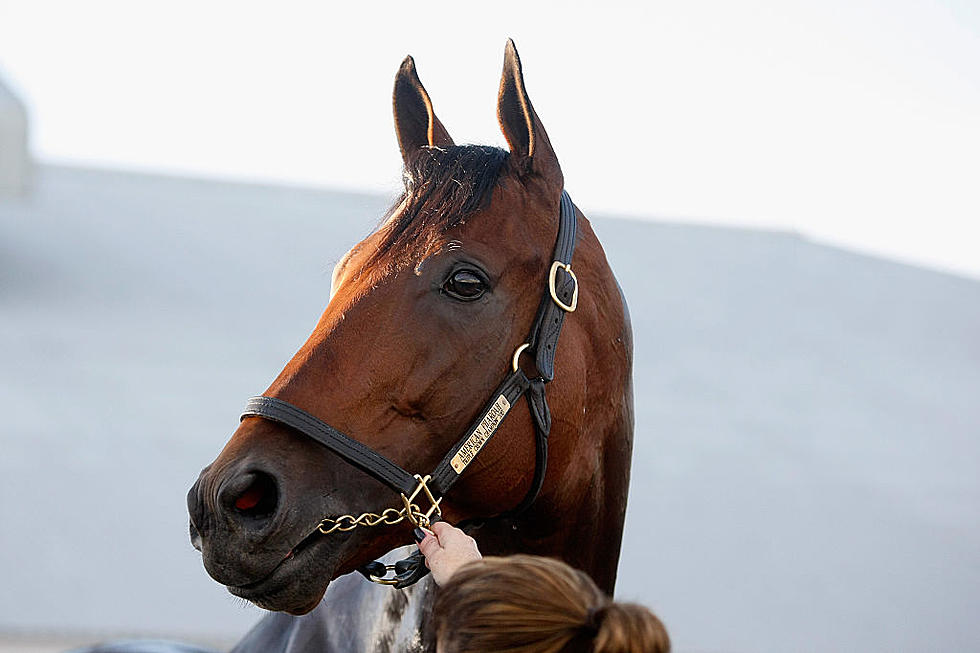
[(389, 516)]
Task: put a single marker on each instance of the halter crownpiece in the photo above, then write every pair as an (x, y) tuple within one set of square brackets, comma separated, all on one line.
[(560, 299)]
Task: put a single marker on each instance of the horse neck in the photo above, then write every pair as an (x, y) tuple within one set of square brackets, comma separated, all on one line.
[(579, 514), (586, 531)]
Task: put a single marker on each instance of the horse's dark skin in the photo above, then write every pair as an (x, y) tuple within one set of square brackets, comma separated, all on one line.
[(401, 366)]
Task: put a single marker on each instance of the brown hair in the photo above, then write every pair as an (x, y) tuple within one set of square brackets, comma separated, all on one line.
[(529, 604)]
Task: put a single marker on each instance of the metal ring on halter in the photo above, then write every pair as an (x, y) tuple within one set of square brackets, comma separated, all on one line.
[(384, 581), (517, 356), (567, 267)]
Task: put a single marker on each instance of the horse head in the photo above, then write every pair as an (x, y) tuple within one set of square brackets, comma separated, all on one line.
[(426, 316)]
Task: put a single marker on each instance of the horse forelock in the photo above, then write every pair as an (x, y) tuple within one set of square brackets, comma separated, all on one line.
[(443, 187)]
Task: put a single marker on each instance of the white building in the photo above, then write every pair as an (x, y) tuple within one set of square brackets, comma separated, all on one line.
[(15, 162)]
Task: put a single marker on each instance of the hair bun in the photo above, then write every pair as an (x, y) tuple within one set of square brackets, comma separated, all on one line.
[(594, 618), (629, 628)]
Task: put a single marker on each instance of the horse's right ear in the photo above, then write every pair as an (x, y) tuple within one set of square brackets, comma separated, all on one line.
[(415, 121), (530, 148)]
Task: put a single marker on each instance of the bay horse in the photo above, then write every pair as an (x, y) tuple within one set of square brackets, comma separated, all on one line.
[(426, 317)]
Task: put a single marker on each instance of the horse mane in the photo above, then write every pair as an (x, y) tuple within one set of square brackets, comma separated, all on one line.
[(443, 187)]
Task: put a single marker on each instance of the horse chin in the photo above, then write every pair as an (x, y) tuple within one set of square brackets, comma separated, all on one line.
[(296, 610), (296, 585)]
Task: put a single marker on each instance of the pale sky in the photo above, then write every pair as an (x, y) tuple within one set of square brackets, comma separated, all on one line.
[(853, 122)]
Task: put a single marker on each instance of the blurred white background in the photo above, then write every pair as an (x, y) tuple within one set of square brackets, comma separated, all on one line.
[(855, 122)]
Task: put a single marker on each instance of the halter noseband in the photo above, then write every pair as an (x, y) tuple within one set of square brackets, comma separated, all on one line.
[(561, 298)]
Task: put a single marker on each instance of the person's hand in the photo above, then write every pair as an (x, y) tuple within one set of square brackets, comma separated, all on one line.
[(446, 549)]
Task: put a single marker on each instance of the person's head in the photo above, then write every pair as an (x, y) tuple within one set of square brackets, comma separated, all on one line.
[(529, 604)]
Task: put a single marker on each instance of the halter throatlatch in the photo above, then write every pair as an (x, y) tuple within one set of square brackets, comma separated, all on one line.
[(561, 299)]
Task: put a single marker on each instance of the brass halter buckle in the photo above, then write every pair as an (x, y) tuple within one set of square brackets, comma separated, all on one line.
[(567, 267), (413, 513)]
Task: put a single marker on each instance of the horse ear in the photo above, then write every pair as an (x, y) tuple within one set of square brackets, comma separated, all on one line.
[(415, 121), (530, 147)]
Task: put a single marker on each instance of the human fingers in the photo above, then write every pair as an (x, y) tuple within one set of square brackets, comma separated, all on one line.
[(446, 549), (449, 535), (457, 541), (429, 544), (442, 528)]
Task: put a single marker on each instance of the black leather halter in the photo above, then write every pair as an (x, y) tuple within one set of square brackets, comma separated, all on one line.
[(560, 298)]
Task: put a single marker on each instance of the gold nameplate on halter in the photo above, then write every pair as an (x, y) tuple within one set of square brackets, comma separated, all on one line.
[(567, 267), (480, 435)]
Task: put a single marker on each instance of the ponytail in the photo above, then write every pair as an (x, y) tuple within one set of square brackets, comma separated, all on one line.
[(528, 604), (628, 628)]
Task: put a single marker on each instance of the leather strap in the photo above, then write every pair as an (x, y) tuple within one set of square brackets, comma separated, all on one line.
[(550, 316), (480, 432), (354, 452), (541, 414)]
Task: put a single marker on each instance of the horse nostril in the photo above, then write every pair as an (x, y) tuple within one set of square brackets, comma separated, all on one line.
[(259, 499)]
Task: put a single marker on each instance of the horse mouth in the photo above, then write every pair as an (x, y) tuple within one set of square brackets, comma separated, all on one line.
[(282, 588)]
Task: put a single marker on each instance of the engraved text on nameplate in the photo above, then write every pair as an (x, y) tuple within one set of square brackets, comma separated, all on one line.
[(480, 436)]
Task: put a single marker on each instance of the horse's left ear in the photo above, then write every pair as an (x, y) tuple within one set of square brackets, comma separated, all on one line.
[(530, 148), (415, 121)]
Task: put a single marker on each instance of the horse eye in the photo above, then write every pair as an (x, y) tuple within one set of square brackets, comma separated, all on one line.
[(465, 285)]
